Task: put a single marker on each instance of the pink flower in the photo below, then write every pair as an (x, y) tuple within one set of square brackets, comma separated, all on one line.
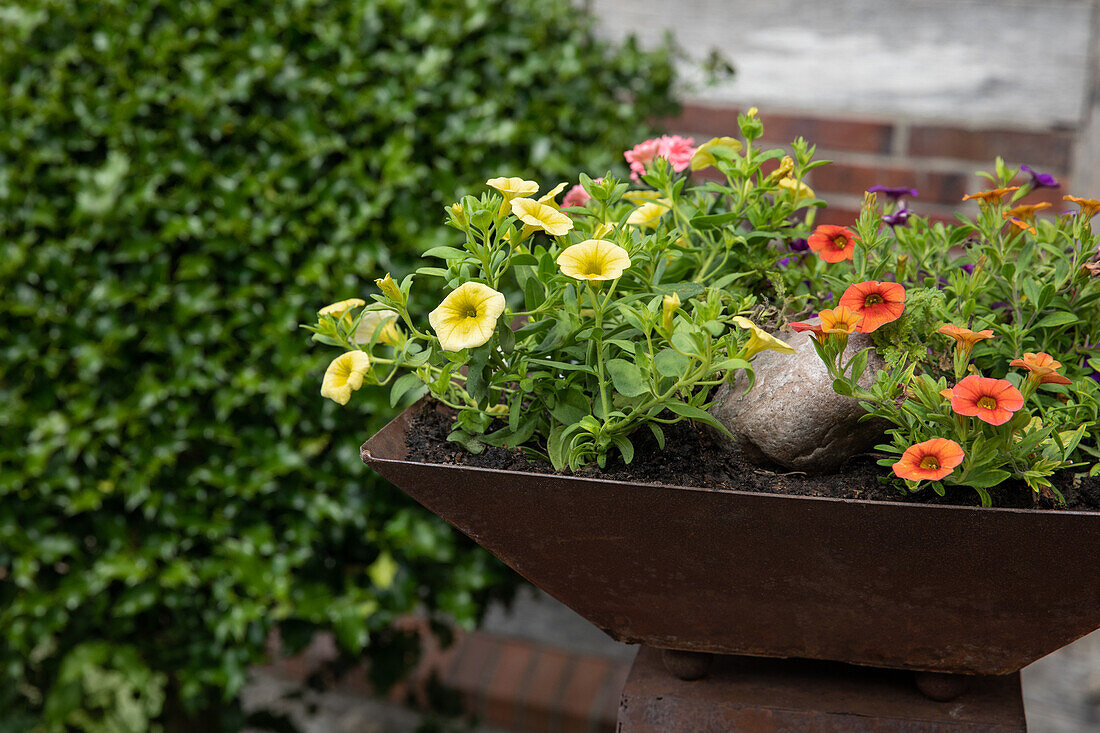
[(677, 151), (641, 154), (577, 196), (673, 148)]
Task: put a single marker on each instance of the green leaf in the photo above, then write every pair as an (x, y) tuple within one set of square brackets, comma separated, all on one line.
[(401, 386), (712, 221), (695, 413), (669, 363), (627, 379), (626, 448), (1059, 318), (447, 253)]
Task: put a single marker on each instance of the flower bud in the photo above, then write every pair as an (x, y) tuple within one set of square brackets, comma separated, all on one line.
[(668, 306), (458, 214), (389, 289), (785, 167)]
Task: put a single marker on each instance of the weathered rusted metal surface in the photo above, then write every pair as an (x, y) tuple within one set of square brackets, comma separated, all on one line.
[(768, 696), (938, 588)]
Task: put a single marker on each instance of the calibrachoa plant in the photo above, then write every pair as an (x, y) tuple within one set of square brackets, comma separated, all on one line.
[(565, 326), (969, 318)]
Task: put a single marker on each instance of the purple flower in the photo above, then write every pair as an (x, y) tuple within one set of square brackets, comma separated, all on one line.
[(968, 268), (784, 262), (798, 245), (1041, 180), (897, 219), (893, 192)]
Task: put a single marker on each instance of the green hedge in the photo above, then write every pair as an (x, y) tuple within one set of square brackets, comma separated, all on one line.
[(181, 184)]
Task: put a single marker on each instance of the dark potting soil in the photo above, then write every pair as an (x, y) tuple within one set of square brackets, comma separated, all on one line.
[(697, 456)]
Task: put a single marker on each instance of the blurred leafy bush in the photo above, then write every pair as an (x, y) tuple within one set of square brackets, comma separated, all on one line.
[(181, 183)]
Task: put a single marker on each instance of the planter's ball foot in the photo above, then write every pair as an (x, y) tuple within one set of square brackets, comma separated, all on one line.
[(686, 665), (941, 686)]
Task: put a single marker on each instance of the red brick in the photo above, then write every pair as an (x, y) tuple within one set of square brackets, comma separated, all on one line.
[(935, 187), (502, 698), (825, 132), (544, 690), (582, 691), (472, 670), (1049, 149), (836, 215)]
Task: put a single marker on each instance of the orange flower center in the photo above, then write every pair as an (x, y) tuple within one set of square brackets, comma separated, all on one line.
[(930, 463), (874, 299), (987, 403)]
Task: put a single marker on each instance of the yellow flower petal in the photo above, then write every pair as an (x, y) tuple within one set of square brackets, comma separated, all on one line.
[(548, 197), (801, 190), (640, 197), (338, 309), (647, 215), (594, 259), (541, 216), (760, 340), (467, 317), (703, 158), (513, 187), (345, 375), (369, 322)]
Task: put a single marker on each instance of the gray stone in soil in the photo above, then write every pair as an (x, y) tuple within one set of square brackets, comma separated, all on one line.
[(792, 416)]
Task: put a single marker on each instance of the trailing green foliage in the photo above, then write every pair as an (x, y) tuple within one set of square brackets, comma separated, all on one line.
[(179, 183)]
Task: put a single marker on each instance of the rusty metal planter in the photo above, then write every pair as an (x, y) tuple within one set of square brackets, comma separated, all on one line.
[(909, 586)]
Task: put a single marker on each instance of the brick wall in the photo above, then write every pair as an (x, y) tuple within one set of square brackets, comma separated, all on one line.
[(939, 160)]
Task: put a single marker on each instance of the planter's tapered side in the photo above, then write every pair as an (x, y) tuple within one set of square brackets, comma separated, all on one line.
[(951, 589)]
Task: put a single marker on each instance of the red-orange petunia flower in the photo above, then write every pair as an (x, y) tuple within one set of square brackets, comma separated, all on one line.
[(1089, 207), (1043, 368), (929, 461), (841, 319), (1026, 211), (833, 243), (992, 196), (814, 328), (1021, 224), (990, 400), (878, 302), (964, 337)]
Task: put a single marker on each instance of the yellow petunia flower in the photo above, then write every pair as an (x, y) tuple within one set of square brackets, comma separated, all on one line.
[(603, 230), (546, 199), (640, 197), (760, 340), (390, 334), (513, 187), (594, 259), (669, 304), (345, 375), (541, 216), (786, 166), (703, 158), (467, 317), (801, 190), (647, 215), (337, 310)]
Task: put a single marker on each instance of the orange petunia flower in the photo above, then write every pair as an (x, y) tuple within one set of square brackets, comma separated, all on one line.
[(929, 461), (1089, 207), (841, 319), (877, 302), (833, 243), (1042, 367), (990, 400), (1021, 225), (964, 336), (992, 196), (814, 328), (1026, 211)]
